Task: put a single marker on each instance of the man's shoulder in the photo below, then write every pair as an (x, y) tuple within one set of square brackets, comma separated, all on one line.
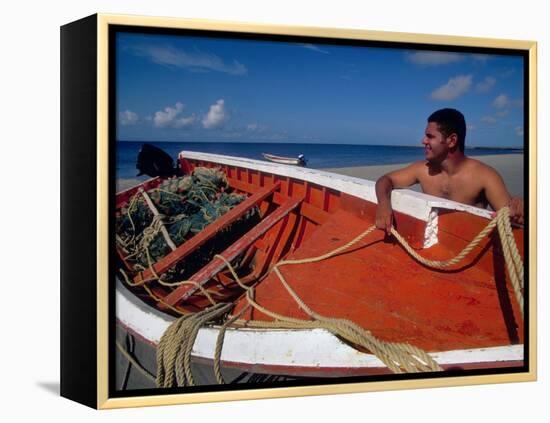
[(482, 172), (419, 165), (478, 166), (411, 167)]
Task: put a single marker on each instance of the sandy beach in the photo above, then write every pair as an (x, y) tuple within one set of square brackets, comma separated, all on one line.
[(125, 183), (510, 167)]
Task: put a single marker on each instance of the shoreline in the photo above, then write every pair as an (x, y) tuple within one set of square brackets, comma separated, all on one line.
[(510, 167)]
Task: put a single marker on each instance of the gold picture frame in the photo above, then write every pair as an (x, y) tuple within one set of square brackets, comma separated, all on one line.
[(88, 119)]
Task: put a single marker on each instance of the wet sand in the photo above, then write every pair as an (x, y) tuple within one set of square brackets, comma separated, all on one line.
[(510, 167), (123, 184)]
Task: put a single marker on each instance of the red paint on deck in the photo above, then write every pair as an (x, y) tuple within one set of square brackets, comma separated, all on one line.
[(466, 226), (410, 229), (379, 286)]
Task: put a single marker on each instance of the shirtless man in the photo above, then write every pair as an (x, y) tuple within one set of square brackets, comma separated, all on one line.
[(447, 173)]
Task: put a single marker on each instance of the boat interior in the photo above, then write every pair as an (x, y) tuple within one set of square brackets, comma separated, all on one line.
[(375, 283)]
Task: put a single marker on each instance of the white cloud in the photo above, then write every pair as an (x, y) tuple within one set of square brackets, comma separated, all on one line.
[(315, 48), (184, 122), (519, 131), (486, 85), (196, 61), (171, 117), (489, 119), (438, 58), (507, 73), (454, 88), (502, 113), (255, 127), (277, 136), (216, 116), (483, 58), (128, 117), (518, 102), (434, 58), (502, 102), (471, 127)]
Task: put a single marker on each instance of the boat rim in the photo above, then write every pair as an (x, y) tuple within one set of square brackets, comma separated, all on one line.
[(284, 348), (412, 203)]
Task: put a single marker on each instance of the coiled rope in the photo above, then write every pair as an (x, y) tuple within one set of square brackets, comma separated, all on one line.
[(174, 348)]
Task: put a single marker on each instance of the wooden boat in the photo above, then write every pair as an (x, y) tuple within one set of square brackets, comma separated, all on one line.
[(299, 161), (467, 317)]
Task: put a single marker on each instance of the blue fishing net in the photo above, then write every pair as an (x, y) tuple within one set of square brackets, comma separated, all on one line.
[(187, 205)]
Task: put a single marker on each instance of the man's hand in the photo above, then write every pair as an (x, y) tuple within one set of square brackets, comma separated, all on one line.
[(516, 210), (400, 178), (498, 195), (384, 217)]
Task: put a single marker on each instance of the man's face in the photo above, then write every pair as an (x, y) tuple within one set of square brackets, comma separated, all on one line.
[(435, 144)]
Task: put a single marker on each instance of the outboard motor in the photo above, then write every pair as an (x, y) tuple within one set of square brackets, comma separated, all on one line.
[(153, 161)]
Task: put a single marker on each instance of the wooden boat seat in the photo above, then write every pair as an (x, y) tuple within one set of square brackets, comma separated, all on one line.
[(216, 265), (208, 233), (379, 286)]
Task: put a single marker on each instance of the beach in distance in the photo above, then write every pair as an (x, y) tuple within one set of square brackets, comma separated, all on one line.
[(510, 167)]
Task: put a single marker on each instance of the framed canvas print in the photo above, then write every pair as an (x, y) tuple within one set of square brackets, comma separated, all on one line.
[(254, 211)]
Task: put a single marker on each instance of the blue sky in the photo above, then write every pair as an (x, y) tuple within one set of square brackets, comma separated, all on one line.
[(181, 88)]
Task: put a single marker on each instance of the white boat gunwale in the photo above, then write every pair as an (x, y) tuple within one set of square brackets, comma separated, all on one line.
[(415, 204), (284, 348), (412, 203)]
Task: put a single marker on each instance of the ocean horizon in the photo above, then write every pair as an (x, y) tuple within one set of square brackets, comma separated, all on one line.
[(318, 156)]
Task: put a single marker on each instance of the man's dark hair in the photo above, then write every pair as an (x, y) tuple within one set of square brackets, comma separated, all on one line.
[(450, 121)]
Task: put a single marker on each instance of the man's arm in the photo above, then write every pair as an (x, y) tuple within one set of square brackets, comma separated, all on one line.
[(498, 196), (400, 178)]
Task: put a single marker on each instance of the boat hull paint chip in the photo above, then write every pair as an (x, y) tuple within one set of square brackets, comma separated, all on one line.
[(430, 232)]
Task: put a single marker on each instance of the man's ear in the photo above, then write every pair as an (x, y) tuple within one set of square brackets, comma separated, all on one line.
[(452, 140)]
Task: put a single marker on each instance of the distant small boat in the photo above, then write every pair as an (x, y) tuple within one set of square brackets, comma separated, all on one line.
[(299, 161)]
